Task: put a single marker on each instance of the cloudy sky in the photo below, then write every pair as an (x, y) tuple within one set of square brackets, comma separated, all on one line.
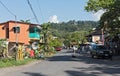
[(53, 19), (47, 11)]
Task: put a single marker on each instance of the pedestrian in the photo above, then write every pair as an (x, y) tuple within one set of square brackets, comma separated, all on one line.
[(32, 53), (74, 51)]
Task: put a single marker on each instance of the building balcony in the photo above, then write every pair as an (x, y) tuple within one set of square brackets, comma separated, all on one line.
[(34, 35)]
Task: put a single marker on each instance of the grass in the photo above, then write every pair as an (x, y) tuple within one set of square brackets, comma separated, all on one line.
[(13, 62)]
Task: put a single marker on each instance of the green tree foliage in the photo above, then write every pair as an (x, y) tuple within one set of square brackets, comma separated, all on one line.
[(49, 41), (73, 25), (66, 42), (96, 5), (25, 21), (112, 17), (110, 20), (79, 37), (76, 37), (1, 44), (45, 32), (72, 31), (3, 48), (55, 43)]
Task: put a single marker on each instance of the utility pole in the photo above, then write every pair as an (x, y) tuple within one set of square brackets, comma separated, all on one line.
[(16, 40), (102, 36)]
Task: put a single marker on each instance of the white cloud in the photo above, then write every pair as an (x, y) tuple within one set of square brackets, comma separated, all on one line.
[(98, 14), (53, 19)]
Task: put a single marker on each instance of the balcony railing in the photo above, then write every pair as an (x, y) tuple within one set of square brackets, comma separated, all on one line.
[(34, 35)]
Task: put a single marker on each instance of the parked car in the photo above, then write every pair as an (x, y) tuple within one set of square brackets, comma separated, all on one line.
[(101, 51), (58, 48)]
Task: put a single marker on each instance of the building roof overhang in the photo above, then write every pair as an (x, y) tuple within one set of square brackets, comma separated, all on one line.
[(19, 22)]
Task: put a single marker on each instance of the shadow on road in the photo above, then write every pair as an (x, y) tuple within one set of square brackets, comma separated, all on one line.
[(96, 68), (80, 73), (103, 69), (95, 71), (33, 74), (63, 58), (85, 58)]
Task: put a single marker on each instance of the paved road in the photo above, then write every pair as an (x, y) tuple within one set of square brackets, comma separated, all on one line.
[(62, 64)]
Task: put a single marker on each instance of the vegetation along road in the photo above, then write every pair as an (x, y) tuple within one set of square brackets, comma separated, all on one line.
[(62, 64)]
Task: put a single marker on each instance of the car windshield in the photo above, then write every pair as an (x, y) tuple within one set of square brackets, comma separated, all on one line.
[(100, 47)]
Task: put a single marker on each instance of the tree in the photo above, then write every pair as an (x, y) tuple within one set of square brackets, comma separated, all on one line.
[(56, 43), (25, 21), (45, 32), (72, 30), (3, 48), (75, 38), (96, 5), (72, 26), (66, 42), (110, 20)]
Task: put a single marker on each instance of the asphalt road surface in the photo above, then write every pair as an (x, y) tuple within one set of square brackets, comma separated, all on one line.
[(62, 64)]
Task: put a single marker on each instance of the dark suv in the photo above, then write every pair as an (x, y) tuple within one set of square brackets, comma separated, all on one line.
[(101, 51)]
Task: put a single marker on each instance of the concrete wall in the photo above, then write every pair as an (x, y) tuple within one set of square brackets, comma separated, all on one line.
[(23, 36)]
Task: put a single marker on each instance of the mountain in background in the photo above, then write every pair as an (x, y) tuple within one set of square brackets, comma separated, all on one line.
[(72, 30), (72, 26)]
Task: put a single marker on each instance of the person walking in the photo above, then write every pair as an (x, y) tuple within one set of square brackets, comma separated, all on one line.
[(74, 51)]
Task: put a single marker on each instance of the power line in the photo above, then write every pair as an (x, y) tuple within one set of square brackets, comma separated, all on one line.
[(16, 35), (32, 11), (40, 9), (8, 10)]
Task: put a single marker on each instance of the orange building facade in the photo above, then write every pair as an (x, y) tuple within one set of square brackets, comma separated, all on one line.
[(24, 36)]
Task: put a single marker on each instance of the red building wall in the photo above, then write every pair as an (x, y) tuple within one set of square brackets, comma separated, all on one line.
[(22, 37), (3, 30)]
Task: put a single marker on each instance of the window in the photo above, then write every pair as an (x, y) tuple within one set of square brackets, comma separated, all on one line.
[(31, 30), (16, 29), (34, 30), (7, 32)]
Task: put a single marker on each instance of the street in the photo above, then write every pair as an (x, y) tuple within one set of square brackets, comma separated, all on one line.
[(62, 64)]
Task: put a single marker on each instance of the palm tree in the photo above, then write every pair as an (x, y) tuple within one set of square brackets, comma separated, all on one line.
[(45, 32), (25, 21)]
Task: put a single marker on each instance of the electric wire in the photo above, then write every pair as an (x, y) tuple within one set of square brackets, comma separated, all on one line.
[(8, 10), (15, 20), (32, 11), (40, 10)]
